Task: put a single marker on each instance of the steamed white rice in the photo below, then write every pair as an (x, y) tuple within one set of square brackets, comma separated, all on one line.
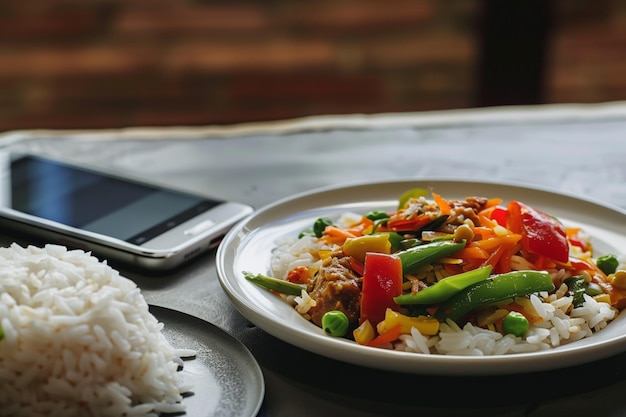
[(79, 340), (556, 328)]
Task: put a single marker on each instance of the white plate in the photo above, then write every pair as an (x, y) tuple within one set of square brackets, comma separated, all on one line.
[(225, 378), (248, 246)]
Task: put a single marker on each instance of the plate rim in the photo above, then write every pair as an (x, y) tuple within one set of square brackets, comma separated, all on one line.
[(437, 364), (160, 312)]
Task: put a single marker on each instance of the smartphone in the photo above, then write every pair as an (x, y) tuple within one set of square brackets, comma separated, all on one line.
[(124, 220)]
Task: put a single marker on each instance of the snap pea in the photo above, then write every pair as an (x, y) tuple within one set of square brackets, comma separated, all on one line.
[(418, 256), (446, 288), (497, 288), (274, 284)]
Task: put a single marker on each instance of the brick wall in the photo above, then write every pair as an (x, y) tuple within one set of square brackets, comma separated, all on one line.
[(116, 63)]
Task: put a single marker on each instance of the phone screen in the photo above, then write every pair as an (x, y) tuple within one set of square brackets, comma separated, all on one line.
[(88, 200)]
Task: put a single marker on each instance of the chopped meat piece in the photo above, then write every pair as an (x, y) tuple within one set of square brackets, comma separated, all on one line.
[(336, 287)]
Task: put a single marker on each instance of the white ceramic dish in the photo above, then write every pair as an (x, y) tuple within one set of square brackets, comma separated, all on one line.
[(225, 378), (248, 246)]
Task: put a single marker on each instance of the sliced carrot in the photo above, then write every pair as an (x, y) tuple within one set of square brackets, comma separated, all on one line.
[(452, 269), (492, 243), (442, 203), (358, 229), (405, 225), (333, 234), (504, 264), (472, 252), (332, 240), (492, 202), (494, 258), (335, 231), (483, 232), (387, 337), (472, 264), (486, 221), (572, 231)]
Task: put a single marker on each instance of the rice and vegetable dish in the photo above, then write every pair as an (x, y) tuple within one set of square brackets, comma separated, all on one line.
[(475, 276), (78, 339)]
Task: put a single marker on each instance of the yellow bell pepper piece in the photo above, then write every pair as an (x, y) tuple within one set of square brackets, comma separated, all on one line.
[(602, 298), (359, 246), (364, 333), (426, 325)]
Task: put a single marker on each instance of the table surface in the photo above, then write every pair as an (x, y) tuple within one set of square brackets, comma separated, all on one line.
[(576, 149)]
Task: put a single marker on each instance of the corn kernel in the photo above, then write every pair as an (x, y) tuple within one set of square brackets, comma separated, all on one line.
[(602, 298), (618, 279)]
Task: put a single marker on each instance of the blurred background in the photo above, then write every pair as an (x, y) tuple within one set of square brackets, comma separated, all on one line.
[(119, 63)]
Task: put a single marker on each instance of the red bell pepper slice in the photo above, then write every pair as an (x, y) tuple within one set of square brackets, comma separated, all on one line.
[(404, 225), (575, 239), (499, 214), (541, 233), (382, 281)]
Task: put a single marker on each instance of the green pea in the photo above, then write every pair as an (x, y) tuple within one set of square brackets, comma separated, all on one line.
[(515, 323), (607, 263), (335, 323)]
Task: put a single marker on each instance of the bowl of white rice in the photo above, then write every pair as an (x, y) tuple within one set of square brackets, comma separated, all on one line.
[(78, 339)]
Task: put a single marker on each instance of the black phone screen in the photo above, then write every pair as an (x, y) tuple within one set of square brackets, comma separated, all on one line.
[(88, 200)]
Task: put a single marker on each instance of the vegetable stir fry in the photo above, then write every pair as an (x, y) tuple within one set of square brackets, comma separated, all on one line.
[(435, 264)]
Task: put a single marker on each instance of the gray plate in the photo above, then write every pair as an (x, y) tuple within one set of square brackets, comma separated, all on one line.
[(226, 379)]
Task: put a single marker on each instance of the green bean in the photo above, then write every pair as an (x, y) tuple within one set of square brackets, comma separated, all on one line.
[(274, 284)]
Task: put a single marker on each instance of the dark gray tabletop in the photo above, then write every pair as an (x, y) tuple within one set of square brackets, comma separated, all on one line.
[(574, 149)]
